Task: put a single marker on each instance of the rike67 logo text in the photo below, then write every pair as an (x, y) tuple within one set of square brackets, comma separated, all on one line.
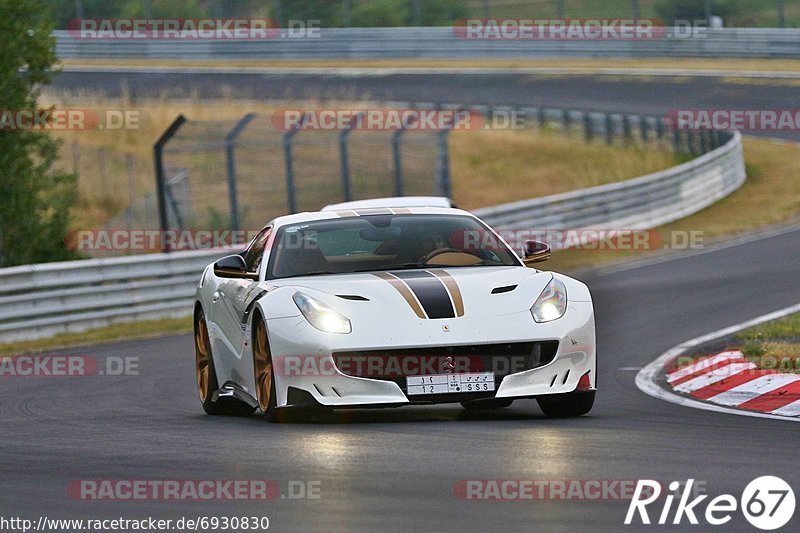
[(767, 503)]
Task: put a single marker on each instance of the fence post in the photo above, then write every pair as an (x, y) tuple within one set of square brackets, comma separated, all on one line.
[(130, 163), (442, 186), (158, 159), (398, 162), (345, 159), (291, 198), (230, 143)]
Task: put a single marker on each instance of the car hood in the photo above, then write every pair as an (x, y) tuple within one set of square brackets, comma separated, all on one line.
[(426, 294)]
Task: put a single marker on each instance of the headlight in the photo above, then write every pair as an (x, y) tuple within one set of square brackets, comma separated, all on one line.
[(552, 303), (320, 315)]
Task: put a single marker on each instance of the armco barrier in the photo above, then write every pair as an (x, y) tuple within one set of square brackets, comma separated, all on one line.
[(439, 42), (639, 203), (42, 300)]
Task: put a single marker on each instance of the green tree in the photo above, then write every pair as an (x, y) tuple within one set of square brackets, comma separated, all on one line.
[(34, 211)]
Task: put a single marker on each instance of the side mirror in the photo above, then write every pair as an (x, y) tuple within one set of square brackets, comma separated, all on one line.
[(233, 266), (535, 252)]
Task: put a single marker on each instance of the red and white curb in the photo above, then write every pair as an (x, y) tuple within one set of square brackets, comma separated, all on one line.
[(728, 378), (725, 382)]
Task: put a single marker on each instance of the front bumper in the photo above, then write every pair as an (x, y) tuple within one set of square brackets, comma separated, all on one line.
[(302, 356)]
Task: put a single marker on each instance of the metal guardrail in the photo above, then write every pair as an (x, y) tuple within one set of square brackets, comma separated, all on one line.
[(42, 300), (639, 203), (435, 42)]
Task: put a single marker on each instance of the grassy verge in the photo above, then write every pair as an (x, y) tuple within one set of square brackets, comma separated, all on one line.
[(774, 345), (117, 332), (769, 197)]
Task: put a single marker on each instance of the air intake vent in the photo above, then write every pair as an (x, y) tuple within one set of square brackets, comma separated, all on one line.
[(500, 290), (354, 297)]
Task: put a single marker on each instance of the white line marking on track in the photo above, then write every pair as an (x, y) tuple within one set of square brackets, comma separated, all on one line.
[(646, 378)]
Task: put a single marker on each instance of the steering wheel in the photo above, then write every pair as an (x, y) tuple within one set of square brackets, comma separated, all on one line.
[(440, 251)]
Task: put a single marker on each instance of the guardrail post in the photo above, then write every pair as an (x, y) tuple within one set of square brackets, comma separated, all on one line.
[(694, 142), (626, 128), (588, 133), (566, 119), (676, 141), (158, 160), (644, 129), (609, 129), (542, 118), (230, 166)]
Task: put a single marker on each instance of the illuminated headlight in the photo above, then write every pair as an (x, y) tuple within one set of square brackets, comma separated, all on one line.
[(320, 315), (552, 303)]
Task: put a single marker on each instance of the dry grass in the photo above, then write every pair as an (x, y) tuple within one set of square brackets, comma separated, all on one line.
[(769, 197), (492, 167), (488, 166)]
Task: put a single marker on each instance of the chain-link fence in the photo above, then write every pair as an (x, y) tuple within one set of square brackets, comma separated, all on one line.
[(239, 174)]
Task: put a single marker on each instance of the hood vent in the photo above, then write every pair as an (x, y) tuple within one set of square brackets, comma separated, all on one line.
[(506, 288), (353, 297)]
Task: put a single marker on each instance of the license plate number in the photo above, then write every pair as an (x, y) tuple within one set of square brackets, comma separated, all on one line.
[(450, 383)]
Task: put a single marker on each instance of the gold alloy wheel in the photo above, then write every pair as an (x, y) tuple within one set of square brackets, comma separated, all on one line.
[(262, 365), (201, 356)]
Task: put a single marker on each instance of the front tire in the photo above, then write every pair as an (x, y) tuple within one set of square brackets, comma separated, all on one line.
[(206, 375), (264, 372), (567, 405)]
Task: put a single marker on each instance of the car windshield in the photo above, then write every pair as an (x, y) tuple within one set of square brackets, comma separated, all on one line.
[(385, 242)]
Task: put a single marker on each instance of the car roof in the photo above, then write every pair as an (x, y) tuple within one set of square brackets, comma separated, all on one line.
[(349, 213), (395, 201)]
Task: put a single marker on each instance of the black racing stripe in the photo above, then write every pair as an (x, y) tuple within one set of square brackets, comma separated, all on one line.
[(430, 292)]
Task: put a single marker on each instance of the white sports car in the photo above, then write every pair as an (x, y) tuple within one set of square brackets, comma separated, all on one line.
[(386, 303)]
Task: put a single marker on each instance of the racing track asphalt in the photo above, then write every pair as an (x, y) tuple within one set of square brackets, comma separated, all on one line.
[(394, 470), (653, 95)]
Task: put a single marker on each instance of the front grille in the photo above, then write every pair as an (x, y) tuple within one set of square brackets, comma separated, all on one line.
[(397, 364)]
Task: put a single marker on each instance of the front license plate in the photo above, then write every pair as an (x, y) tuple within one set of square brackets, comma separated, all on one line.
[(450, 383)]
